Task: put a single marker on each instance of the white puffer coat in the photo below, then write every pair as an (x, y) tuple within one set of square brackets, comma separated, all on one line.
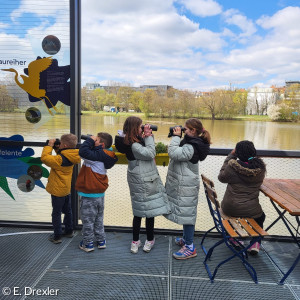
[(148, 194), (182, 184)]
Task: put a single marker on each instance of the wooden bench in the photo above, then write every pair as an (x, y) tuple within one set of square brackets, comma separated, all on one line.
[(232, 230)]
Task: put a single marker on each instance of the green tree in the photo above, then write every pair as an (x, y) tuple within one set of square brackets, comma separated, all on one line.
[(135, 100), (7, 103), (147, 101), (123, 96), (240, 100)]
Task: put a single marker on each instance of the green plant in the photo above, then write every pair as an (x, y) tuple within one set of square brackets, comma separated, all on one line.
[(161, 148)]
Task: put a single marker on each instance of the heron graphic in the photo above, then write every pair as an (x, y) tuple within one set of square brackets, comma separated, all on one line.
[(31, 83)]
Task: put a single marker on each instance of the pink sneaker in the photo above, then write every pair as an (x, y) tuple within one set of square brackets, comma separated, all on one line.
[(148, 245), (254, 249), (235, 243), (135, 246)]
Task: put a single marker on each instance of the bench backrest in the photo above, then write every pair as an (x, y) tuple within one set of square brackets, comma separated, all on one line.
[(213, 203)]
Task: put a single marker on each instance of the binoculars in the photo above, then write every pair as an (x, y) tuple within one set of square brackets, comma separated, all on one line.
[(153, 127), (173, 127), (85, 136), (56, 143)]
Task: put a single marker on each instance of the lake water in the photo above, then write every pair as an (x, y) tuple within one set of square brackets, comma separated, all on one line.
[(224, 133)]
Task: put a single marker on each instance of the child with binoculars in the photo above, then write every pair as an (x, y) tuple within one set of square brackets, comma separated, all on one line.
[(183, 182), (148, 196)]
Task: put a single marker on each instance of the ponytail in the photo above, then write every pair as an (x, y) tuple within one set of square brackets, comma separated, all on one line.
[(206, 136), (194, 123)]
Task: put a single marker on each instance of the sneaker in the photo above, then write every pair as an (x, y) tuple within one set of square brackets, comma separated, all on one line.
[(135, 246), (54, 239), (101, 244), (148, 245), (88, 247), (235, 243), (254, 249), (179, 241), (185, 252), (68, 234)]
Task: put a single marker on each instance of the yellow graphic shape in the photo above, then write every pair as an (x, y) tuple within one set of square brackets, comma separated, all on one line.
[(31, 83)]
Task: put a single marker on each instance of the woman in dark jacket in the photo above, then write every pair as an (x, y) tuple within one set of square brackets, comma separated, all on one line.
[(244, 172)]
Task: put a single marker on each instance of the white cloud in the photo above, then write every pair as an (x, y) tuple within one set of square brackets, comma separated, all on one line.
[(202, 8), (143, 48), (234, 17), (3, 25), (39, 8)]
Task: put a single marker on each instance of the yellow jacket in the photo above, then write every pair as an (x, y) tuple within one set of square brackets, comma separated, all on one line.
[(59, 181)]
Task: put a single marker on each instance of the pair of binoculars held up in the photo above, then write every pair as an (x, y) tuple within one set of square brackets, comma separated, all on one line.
[(173, 127), (153, 127), (56, 143), (85, 136)]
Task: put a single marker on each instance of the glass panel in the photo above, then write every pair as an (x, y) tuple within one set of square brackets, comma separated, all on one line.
[(34, 99), (35, 68)]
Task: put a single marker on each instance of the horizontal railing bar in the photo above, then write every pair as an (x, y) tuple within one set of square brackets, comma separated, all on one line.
[(213, 151), (121, 229)]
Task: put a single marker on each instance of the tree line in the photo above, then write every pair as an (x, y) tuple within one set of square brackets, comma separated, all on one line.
[(175, 103), (222, 104)]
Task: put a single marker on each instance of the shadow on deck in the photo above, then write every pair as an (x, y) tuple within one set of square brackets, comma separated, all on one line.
[(29, 261)]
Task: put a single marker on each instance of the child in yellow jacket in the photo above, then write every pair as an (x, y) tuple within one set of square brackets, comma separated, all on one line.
[(59, 182)]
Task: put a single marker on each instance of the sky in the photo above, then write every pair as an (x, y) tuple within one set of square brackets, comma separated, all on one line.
[(198, 45)]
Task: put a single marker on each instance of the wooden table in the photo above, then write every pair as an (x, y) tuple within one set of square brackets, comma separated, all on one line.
[(285, 194)]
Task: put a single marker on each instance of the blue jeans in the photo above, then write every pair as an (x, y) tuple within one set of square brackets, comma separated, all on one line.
[(61, 205), (188, 234)]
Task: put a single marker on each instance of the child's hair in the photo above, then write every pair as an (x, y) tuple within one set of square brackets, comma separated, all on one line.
[(70, 140), (246, 152), (194, 123), (105, 138), (131, 130)]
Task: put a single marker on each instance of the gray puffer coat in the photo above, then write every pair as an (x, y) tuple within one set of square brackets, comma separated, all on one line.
[(241, 196), (148, 195), (182, 184)]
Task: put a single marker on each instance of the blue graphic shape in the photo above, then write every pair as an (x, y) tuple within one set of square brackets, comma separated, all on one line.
[(14, 152), (14, 168)]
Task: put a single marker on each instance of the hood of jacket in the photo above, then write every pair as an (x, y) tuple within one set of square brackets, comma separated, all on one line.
[(201, 148), (124, 148), (71, 154), (244, 170)]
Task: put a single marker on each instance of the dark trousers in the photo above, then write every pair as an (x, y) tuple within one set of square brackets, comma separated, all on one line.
[(136, 224), (61, 205), (260, 220)]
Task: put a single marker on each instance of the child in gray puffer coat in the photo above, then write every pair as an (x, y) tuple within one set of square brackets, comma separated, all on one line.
[(183, 183), (148, 195)]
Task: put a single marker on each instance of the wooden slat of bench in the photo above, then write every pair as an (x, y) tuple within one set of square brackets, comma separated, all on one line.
[(237, 226), (207, 180), (248, 228), (229, 229), (225, 217), (212, 195), (257, 227)]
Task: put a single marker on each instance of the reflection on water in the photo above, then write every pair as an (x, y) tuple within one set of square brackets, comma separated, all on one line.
[(225, 133)]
